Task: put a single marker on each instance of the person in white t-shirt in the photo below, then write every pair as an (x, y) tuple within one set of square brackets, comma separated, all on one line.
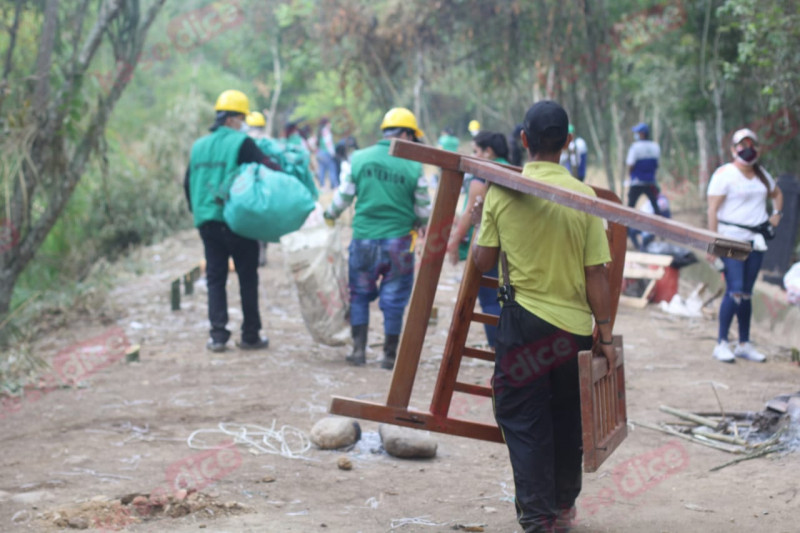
[(737, 206), (574, 157)]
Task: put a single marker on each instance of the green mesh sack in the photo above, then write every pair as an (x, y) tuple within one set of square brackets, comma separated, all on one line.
[(265, 205), (293, 159)]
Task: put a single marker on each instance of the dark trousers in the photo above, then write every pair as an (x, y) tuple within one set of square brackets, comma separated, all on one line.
[(537, 406), (220, 243), (634, 192)]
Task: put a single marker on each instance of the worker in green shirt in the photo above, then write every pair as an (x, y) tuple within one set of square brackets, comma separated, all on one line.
[(392, 201), (214, 162), (448, 141)]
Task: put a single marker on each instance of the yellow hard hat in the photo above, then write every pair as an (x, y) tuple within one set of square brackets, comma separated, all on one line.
[(256, 119), (474, 126), (400, 117), (232, 100)]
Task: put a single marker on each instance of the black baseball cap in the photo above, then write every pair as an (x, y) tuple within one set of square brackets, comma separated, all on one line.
[(546, 123)]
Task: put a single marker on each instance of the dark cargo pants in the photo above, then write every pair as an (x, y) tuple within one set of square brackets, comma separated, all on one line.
[(537, 406)]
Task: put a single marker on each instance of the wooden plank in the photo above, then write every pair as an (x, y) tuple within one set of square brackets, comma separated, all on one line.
[(463, 314), (603, 411), (419, 309), (476, 390), (488, 282), (486, 355), (428, 155), (649, 259), (637, 303), (414, 419), (618, 243), (663, 227), (484, 318), (671, 229), (633, 272)]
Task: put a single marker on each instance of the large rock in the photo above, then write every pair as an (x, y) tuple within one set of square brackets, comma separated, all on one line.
[(333, 432), (406, 442)]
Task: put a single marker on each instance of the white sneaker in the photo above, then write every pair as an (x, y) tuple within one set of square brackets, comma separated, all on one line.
[(722, 352), (745, 350)]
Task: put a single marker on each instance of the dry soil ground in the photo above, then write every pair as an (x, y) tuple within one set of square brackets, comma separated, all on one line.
[(70, 452)]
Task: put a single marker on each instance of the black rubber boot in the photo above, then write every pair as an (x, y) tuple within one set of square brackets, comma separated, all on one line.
[(389, 351), (359, 355)]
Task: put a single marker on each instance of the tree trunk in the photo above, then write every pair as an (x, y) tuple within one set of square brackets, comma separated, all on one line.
[(8, 278), (52, 166), (419, 84), (619, 139), (276, 92), (702, 157)]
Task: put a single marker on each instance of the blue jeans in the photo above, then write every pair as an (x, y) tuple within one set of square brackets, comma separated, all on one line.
[(740, 277), (390, 262), (327, 165), (488, 299)]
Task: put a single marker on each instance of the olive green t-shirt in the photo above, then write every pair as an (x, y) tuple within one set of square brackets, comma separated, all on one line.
[(548, 245)]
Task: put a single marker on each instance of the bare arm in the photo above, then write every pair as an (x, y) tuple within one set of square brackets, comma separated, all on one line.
[(476, 188), (713, 206), (777, 204), (598, 295), (484, 257)]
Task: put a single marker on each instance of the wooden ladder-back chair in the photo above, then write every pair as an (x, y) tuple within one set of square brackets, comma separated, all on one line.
[(602, 392)]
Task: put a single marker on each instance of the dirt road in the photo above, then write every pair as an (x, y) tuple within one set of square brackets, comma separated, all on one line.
[(70, 454)]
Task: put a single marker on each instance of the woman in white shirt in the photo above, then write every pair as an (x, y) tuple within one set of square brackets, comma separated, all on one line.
[(737, 208)]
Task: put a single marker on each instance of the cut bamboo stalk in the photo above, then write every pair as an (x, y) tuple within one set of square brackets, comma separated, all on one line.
[(722, 438), (748, 415), (703, 421), (760, 453), (670, 431)]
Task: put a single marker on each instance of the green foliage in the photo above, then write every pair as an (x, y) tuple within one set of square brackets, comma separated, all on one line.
[(612, 64)]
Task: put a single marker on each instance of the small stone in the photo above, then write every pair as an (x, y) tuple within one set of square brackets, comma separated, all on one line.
[(344, 463), (181, 494), (78, 522), (334, 432), (140, 501), (267, 479), (202, 526), (132, 354), (407, 443)]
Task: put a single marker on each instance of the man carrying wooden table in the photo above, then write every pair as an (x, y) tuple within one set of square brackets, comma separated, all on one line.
[(555, 279)]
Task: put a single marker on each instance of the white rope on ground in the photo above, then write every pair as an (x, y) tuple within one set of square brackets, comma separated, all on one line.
[(287, 441)]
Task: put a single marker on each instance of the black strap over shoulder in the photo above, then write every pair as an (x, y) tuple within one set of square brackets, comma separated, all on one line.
[(505, 292)]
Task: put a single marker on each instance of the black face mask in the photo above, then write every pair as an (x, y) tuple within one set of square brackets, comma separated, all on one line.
[(748, 155)]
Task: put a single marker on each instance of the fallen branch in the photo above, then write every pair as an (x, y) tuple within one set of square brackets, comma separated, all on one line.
[(722, 438), (670, 431), (753, 455), (689, 416)]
